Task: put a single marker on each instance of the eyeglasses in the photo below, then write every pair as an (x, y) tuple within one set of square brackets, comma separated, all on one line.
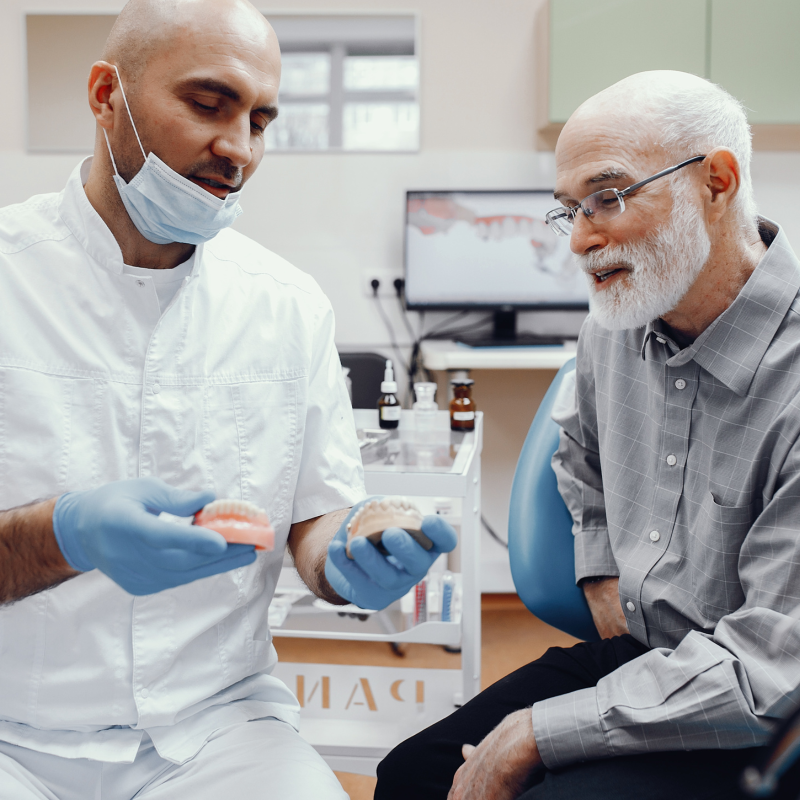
[(604, 205)]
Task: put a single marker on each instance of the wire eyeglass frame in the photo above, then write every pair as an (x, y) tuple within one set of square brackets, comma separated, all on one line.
[(607, 204)]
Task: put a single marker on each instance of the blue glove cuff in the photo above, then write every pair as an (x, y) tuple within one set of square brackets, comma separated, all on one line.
[(67, 541)]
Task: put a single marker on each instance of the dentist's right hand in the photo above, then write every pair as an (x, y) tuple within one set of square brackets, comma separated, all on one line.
[(115, 528)]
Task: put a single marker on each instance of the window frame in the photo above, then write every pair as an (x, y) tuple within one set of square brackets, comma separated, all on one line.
[(339, 46)]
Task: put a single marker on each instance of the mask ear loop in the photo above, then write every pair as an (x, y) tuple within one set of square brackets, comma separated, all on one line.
[(133, 125), (111, 153), (130, 116)]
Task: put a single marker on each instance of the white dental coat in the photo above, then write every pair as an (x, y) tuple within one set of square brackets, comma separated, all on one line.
[(237, 388)]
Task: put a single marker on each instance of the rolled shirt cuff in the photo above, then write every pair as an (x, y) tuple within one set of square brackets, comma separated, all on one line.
[(568, 729), (593, 555)]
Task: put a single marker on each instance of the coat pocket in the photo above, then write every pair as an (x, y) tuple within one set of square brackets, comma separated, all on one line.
[(250, 433)]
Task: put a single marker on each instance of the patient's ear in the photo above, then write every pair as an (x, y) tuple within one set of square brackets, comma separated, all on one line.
[(723, 178)]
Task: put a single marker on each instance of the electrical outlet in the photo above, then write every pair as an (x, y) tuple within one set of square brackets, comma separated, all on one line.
[(385, 276)]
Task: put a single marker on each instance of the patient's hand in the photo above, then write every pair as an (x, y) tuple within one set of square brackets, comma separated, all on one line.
[(603, 599), (500, 766)]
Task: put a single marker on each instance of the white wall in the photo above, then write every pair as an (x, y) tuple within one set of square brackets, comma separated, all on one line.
[(336, 216)]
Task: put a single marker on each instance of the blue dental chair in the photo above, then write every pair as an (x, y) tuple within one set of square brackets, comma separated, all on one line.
[(540, 541)]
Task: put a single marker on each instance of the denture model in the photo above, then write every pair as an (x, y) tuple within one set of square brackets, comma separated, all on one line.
[(239, 522), (374, 517)]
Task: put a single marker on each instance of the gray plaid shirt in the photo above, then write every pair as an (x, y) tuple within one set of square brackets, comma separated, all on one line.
[(681, 469)]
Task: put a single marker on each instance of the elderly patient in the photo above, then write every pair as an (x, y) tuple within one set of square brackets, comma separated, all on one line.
[(680, 463)]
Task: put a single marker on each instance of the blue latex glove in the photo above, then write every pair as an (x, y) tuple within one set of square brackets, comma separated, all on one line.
[(115, 528), (372, 580)]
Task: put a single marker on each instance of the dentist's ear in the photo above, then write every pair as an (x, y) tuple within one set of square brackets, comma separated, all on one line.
[(102, 83)]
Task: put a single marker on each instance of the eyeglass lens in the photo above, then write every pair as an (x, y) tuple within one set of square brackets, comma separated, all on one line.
[(601, 206)]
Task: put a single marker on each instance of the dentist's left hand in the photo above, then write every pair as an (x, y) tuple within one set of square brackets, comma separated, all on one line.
[(372, 580)]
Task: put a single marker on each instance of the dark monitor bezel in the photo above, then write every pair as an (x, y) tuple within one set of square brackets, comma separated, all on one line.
[(477, 306)]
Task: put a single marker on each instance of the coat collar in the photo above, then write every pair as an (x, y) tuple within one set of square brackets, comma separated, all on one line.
[(87, 226)]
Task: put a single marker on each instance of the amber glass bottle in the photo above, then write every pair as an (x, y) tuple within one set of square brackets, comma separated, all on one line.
[(462, 406), (388, 404)]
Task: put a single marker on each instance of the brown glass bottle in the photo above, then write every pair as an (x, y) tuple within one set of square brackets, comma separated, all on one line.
[(388, 410), (388, 404), (462, 406)]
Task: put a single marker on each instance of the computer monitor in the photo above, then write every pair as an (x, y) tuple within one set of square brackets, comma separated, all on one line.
[(489, 250)]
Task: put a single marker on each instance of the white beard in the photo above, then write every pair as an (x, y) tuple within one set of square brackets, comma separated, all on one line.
[(663, 268)]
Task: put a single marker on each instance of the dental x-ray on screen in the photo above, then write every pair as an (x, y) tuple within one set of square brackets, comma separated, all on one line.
[(488, 249)]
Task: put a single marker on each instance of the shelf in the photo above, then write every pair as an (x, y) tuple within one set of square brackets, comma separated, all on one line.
[(305, 622), (443, 355), (400, 468)]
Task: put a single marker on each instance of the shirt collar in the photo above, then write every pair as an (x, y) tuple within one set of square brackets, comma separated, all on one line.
[(87, 225), (732, 347)]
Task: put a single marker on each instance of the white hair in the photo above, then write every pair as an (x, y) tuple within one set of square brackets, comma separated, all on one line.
[(693, 121)]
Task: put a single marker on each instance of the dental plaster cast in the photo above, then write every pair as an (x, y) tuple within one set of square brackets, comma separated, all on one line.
[(239, 522), (374, 517)]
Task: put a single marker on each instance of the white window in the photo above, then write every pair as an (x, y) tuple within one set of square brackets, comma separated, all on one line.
[(348, 83)]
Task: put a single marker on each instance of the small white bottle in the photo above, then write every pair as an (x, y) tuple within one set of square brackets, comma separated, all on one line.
[(425, 407)]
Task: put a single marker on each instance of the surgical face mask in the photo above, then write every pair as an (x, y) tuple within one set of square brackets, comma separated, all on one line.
[(164, 206)]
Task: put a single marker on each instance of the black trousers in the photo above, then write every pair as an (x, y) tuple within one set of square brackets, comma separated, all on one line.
[(423, 766)]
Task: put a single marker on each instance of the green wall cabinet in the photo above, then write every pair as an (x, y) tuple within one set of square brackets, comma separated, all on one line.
[(750, 47), (594, 43), (755, 55)]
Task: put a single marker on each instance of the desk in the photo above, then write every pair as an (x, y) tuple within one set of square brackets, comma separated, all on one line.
[(447, 355)]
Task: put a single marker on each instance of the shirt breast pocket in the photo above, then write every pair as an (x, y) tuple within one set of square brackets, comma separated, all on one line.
[(716, 544)]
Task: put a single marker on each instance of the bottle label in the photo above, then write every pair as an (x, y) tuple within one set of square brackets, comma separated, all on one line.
[(391, 412), (463, 416)]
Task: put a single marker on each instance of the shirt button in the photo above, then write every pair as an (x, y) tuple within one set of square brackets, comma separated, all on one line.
[(660, 340), (654, 537), (144, 694), (156, 388), (680, 383), (630, 606), (671, 460)]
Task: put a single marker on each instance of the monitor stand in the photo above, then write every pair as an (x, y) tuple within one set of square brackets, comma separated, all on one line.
[(504, 334)]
